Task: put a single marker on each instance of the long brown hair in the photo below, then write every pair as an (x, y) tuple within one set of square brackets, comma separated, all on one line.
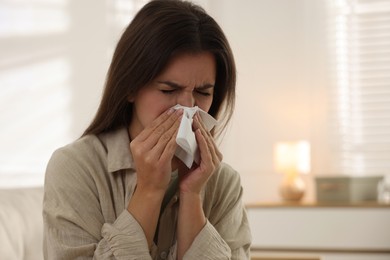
[(161, 29)]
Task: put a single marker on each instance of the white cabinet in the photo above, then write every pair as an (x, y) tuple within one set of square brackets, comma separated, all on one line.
[(326, 232)]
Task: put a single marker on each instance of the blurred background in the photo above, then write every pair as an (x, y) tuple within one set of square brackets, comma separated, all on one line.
[(307, 70)]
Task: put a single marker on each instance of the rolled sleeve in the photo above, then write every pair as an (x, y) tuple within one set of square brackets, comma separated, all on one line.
[(126, 238), (208, 245)]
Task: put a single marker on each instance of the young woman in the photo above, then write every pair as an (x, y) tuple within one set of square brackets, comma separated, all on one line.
[(119, 192)]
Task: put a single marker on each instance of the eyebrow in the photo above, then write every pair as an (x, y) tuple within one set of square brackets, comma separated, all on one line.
[(175, 85)]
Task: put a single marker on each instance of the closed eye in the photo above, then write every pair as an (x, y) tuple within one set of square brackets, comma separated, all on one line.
[(203, 93), (205, 90), (167, 91)]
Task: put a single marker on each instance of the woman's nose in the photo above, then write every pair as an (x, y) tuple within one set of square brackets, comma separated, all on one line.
[(186, 99)]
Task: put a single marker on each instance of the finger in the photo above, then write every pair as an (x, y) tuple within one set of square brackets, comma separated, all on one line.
[(204, 150), (162, 129), (164, 117), (165, 138), (169, 149), (204, 130), (200, 124), (152, 134), (216, 155)]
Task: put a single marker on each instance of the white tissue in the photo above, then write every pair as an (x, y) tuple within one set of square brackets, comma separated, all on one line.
[(187, 150)]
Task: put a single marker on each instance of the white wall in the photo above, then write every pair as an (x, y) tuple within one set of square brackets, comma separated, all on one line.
[(279, 49), (54, 56)]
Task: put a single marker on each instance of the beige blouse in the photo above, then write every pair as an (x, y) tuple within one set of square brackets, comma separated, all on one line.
[(88, 186)]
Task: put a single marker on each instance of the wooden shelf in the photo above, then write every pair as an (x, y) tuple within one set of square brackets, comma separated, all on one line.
[(283, 258), (367, 204)]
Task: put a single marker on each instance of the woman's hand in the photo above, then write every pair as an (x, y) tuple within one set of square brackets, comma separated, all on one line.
[(210, 159), (191, 217), (153, 150)]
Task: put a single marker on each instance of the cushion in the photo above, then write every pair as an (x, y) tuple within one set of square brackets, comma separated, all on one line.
[(21, 225)]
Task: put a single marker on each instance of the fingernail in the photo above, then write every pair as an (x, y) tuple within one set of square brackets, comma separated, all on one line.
[(170, 111), (179, 111)]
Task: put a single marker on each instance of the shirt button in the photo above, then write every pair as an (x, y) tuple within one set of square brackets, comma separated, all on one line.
[(163, 255)]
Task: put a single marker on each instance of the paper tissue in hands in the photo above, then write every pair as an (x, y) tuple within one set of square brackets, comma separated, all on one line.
[(187, 150)]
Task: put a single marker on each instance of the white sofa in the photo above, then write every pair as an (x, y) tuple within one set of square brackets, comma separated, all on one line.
[(21, 225)]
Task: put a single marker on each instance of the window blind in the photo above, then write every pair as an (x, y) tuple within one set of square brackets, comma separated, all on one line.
[(360, 97)]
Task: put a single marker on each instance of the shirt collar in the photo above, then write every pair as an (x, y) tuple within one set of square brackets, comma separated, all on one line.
[(119, 156)]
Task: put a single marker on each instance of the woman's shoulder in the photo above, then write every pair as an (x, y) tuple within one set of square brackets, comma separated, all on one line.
[(82, 148), (224, 180), (226, 173), (73, 158), (72, 174)]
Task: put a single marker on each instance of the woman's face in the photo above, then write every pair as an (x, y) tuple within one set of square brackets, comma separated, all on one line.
[(188, 80)]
